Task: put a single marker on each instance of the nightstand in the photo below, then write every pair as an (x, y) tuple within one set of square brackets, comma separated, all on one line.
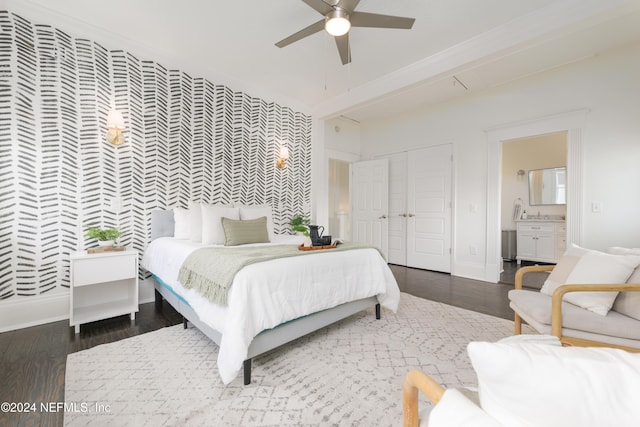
[(102, 285)]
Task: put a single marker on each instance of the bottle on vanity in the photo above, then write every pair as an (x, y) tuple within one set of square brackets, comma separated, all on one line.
[(524, 215)]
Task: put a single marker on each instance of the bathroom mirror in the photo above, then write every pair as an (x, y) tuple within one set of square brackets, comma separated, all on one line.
[(548, 186)]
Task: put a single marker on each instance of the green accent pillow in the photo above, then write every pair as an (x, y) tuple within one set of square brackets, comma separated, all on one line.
[(241, 232)]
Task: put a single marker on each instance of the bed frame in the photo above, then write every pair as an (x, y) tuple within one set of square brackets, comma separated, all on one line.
[(162, 225)]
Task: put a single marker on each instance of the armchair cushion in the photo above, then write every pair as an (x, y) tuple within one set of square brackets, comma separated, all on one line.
[(536, 307), (527, 384), (592, 267)]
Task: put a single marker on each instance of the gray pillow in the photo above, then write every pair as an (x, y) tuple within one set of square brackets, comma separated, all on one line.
[(241, 232)]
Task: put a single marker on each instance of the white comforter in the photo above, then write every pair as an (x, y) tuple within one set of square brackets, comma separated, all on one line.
[(266, 294)]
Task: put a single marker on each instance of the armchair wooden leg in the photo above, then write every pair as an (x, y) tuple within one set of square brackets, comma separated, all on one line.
[(517, 323), (410, 405), (414, 381)]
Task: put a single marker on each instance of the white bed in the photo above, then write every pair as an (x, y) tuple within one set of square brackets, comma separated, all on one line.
[(271, 303)]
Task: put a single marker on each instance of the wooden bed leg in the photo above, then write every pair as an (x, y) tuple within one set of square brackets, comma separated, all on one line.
[(158, 300), (247, 371), (184, 322), (378, 311)]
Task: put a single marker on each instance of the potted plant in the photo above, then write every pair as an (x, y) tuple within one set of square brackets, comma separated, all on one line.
[(104, 236), (300, 225)]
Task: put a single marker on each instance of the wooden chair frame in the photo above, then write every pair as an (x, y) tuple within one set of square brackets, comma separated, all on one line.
[(556, 306), (416, 381)]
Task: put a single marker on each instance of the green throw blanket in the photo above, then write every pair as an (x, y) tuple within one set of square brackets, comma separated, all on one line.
[(211, 270)]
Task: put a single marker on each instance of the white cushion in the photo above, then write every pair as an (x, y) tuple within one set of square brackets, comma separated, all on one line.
[(532, 339), (455, 410), (628, 303), (593, 267), (257, 211), (182, 221), (546, 385), (195, 215), (212, 231), (617, 250)]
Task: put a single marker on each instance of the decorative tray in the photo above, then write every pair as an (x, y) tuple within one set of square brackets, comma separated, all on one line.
[(316, 248), (103, 249)]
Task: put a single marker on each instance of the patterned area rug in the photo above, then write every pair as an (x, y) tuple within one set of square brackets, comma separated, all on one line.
[(349, 373)]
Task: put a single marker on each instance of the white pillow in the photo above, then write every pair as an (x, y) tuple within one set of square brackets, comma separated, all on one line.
[(257, 211), (212, 231), (196, 221), (595, 267), (548, 385), (563, 268), (182, 223), (628, 303)]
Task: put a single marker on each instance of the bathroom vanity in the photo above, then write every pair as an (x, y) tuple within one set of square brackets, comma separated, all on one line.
[(541, 239)]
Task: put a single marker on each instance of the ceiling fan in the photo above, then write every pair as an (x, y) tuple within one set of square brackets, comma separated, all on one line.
[(339, 17)]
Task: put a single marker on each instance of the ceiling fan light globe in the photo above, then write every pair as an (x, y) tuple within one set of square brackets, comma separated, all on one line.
[(337, 23)]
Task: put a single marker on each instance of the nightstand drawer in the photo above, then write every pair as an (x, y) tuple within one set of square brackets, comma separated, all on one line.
[(88, 271)]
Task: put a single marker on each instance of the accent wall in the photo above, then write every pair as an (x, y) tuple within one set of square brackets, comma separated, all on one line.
[(186, 139)]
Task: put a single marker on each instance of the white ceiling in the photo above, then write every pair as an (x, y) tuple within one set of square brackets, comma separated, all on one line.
[(482, 43)]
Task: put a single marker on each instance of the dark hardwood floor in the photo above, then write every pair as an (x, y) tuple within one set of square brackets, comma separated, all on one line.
[(483, 297), (34, 359)]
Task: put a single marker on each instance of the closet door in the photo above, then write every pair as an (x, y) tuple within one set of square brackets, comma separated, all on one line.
[(397, 208), (370, 202), (429, 208)]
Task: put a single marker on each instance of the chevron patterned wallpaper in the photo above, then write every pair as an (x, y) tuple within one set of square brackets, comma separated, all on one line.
[(186, 139)]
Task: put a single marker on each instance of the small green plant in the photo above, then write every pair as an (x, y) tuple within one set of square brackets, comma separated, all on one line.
[(103, 234), (300, 224)]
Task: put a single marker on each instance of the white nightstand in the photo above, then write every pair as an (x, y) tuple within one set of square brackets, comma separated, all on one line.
[(102, 285)]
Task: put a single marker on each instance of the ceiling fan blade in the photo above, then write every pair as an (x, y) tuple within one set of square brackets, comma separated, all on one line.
[(342, 42), (311, 29), (348, 5), (319, 6), (364, 19)]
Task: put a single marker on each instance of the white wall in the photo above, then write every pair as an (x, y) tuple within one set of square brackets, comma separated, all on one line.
[(607, 85), (343, 135)]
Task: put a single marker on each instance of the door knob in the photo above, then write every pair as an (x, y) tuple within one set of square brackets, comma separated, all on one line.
[(383, 217), (403, 215), (410, 215)]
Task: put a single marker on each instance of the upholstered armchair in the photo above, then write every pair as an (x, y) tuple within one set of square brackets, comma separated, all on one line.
[(571, 324), (599, 307)]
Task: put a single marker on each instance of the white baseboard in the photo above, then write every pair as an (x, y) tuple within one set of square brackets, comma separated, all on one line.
[(471, 271), (23, 312)]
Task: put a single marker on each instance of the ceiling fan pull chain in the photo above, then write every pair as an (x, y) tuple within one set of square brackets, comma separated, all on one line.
[(326, 61), (349, 66)]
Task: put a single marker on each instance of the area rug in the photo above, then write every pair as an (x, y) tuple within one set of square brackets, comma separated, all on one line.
[(349, 373)]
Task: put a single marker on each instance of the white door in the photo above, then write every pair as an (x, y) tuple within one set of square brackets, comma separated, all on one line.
[(397, 208), (369, 202), (429, 208)]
